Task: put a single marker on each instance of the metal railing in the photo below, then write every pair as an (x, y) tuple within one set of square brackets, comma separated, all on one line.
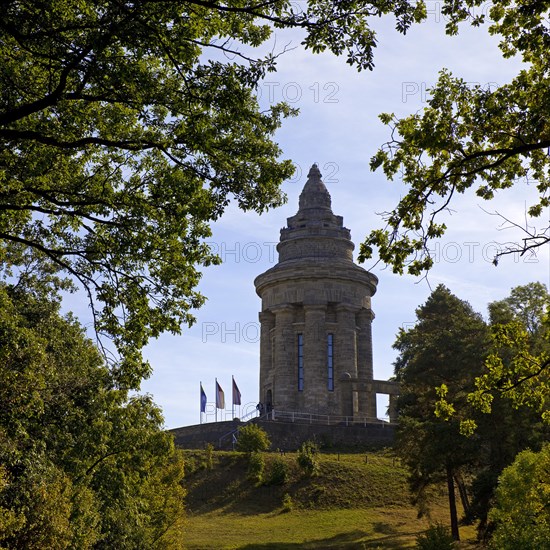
[(298, 417), (323, 419), (248, 416)]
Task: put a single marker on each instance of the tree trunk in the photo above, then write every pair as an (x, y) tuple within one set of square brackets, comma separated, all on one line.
[(452, 503), (463, 495)]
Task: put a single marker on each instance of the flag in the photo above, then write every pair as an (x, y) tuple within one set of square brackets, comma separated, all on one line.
[(236, 394), (203, 400), (220, 397)]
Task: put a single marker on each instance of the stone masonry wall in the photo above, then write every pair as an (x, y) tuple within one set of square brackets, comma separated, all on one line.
[(288, 436)]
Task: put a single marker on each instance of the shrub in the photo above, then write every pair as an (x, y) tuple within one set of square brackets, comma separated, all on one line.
[(278, 474), (256, 465), (252, 439), (288, 504), (437, 537), (308, 458), (208, 456), (521, 512)]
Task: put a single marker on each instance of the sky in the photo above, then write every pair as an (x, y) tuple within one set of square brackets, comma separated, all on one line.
[(338, 128)]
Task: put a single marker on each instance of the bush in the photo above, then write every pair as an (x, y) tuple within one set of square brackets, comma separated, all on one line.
[(256, 465), (278, 474), (252, 439), (209, 456), (288, 503), (521, 513), (308, 458), (437, 537)]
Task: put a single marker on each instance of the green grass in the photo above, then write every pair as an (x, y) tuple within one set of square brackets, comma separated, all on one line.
[(349, 528), (350, 504)]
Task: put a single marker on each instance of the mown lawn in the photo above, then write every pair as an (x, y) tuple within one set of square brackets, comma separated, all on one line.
[(388, 528)]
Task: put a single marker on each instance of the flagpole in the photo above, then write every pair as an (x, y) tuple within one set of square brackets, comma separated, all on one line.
[(232, 398), (200, 400)]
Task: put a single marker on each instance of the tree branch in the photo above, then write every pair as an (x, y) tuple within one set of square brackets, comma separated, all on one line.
[(129, 145)]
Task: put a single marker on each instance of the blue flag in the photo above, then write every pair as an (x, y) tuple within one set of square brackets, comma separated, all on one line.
[(203, 400)]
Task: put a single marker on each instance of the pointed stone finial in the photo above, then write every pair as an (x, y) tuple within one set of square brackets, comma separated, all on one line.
[(314, 193), (314, 172)]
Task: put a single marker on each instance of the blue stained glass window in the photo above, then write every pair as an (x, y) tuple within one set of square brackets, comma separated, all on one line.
[(300, 362), (330, 361)]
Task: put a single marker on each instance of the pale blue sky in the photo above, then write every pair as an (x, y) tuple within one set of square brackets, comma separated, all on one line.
[(338, 128)]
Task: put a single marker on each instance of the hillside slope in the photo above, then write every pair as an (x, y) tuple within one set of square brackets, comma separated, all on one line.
[(343, 481), (354, 501)]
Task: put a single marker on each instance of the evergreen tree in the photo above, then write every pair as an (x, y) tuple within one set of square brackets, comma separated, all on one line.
[(444, 350), (446, 392)]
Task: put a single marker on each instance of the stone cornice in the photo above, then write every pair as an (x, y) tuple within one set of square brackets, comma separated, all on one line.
[(285, 309), (314, 270)]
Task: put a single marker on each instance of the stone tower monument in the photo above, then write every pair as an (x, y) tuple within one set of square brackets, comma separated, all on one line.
[(316, 344)]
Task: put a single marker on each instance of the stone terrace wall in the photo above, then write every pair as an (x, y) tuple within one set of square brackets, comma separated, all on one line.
[(197, 436), (288, 436)]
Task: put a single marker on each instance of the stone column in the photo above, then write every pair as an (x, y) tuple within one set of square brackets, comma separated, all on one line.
[(364, 344), (267, 323), (345, 390), (315, 362), (367, 403), (345, 352), (284, 381)]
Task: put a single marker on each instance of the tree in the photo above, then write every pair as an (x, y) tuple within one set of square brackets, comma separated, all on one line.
[(527, 304), (444, 350), (127, 127), (501, 436), (470, 137), (84, 465), (519, 365), (519, 359), (516, 421), (522, 510)]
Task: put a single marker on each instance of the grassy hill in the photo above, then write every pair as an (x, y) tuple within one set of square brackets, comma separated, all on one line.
[(354, 501)]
